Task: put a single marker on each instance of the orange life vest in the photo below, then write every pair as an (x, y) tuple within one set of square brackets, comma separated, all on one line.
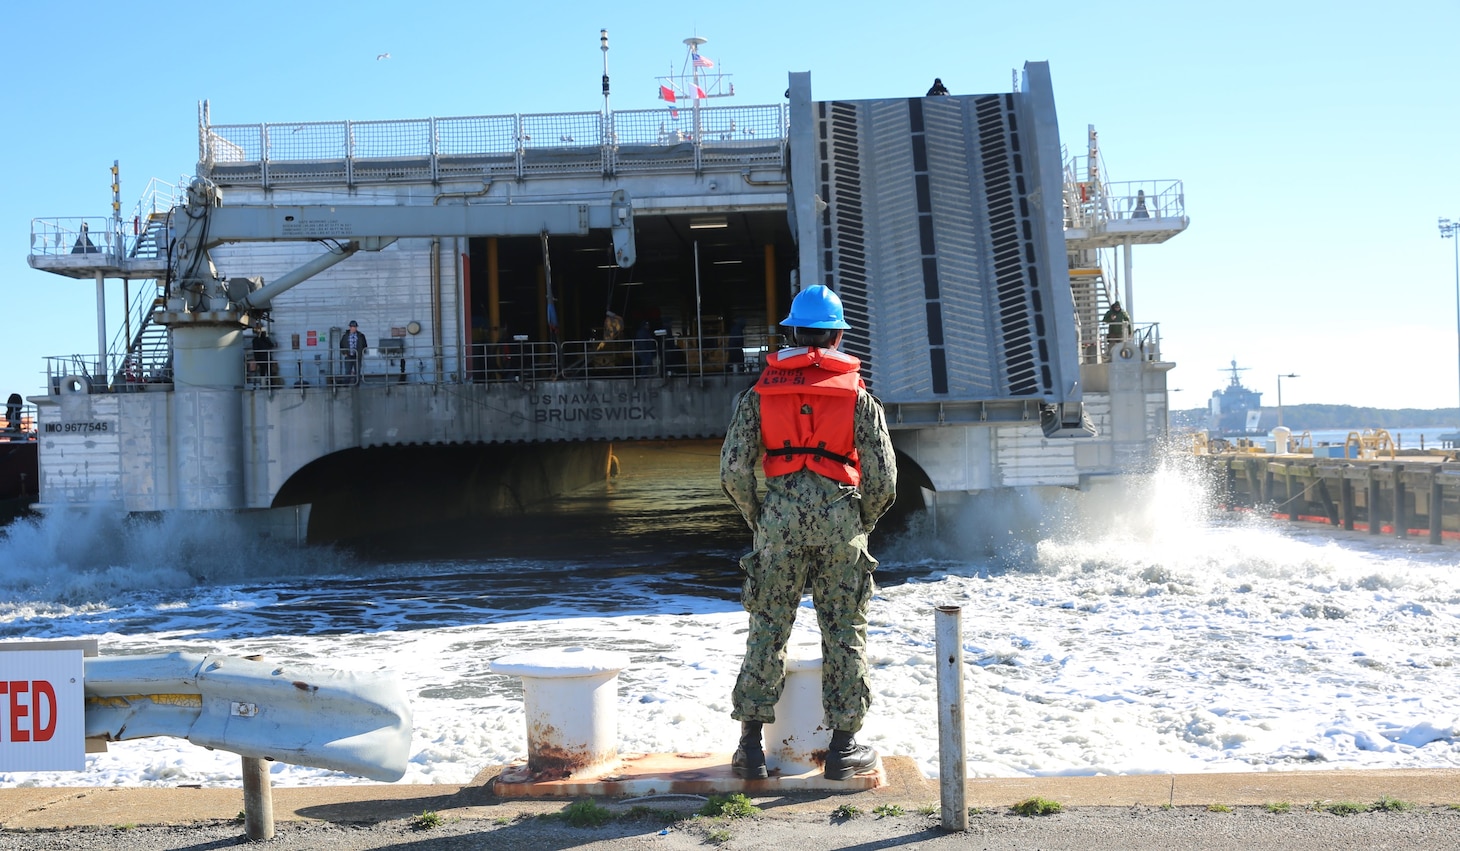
[(808, 403)]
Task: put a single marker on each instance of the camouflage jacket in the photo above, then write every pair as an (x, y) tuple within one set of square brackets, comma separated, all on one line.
[(806, 508)]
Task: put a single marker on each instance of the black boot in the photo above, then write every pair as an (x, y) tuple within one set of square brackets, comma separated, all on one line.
[(749, 759), (844, 757)]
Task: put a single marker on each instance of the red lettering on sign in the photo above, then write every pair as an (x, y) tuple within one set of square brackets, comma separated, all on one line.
[(18, 711), (43, 719), (311, 338), (39, 689)]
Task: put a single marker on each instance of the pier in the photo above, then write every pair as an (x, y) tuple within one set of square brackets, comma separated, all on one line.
[(1407, 496)]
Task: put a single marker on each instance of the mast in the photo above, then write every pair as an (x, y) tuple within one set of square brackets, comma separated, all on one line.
[(692, 84), (693, 44)]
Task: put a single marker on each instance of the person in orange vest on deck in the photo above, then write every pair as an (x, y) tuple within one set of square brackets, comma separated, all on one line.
[(821, 442)]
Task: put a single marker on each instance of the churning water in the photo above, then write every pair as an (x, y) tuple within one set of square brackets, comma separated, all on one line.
[(1123, 631)]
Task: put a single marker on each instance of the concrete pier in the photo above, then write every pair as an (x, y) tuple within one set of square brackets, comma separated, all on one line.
[(1414, 496)]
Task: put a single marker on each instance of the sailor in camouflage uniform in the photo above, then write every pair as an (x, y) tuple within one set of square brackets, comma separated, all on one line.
[(830, 473)]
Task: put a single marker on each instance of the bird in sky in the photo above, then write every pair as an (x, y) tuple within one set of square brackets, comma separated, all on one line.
[(380, 56)]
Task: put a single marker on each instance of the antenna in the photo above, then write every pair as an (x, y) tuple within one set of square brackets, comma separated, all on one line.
[(603, 45)]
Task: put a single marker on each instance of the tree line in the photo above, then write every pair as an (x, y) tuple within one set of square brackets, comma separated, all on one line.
[(1323, 417)]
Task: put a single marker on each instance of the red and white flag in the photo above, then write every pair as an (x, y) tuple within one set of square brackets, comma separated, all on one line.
[(700, 93), (701, 61)]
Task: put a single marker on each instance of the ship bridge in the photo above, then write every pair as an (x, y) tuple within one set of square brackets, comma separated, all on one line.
[(508, 333)]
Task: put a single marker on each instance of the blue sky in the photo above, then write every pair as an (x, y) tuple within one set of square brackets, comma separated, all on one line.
[(1318, 142)]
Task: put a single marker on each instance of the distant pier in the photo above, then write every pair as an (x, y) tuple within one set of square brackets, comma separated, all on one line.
[(1406, 496)]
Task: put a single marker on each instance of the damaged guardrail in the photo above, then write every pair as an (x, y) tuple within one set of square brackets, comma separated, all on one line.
[(356, 723)]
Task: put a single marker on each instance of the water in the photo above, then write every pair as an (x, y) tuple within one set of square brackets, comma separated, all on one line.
[(1129, 632), (1404, 438)]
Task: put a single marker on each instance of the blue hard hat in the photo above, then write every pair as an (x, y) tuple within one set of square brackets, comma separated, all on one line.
[(816, 307)]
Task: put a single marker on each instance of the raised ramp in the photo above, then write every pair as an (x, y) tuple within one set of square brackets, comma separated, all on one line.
[(937, 235)]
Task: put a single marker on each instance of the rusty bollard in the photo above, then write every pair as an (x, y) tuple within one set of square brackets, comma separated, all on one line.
[(570, 695)]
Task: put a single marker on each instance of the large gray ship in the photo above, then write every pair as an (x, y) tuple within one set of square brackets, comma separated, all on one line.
[(476, 309)]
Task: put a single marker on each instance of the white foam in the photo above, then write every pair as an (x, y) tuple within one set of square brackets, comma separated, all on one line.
[(1140, 633)]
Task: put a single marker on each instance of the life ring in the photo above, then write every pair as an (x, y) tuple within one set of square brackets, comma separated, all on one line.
[(77, 384), (1126, 353)]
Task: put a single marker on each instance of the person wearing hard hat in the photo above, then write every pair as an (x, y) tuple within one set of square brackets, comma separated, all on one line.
[(821, 441)]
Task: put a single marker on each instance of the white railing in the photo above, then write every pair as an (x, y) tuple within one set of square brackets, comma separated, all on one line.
[(1144, 199), (78, 235), (405, 361), (519, 144)]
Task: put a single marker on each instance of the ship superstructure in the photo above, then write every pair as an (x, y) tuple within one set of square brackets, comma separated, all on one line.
[(533, 287), (1234, 411)]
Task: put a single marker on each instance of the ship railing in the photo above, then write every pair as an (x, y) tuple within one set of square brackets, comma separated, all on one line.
[(1132, 200), (150, 234), (1144, 343), (513, 362), (79, 235), (1090, 202), (400, 360), (18, 425), (517, 145), (119, 372)]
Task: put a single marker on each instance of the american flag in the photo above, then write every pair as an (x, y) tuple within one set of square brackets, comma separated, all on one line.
[(701, 61)]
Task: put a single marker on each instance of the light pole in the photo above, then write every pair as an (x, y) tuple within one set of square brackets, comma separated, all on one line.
[(1448, 230), (1280, 378)]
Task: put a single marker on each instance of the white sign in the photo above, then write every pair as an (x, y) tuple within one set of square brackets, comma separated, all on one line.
[(42, 711)]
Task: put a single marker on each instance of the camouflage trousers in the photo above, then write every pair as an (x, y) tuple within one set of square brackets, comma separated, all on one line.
[(841, 586)]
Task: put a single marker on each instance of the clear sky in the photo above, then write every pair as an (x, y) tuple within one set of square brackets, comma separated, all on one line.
[(1318, 142)]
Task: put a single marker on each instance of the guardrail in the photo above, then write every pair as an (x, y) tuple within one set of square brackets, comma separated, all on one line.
[(408, 362), (79, 235), (518, 145), (357, 723), (514, 361)]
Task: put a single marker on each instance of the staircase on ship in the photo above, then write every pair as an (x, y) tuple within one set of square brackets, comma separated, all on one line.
[(145, 344), (134, 250), (1099, 214)]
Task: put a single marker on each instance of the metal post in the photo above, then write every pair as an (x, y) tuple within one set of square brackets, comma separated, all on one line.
[(1448, 230), (1401, 509), (951, 763), (101, 371), (1375, 520), (1280, 378), (1437, 502), (1130, 296), (258, 800), (699, 313)]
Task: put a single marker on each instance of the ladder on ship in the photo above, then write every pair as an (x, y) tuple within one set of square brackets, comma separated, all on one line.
[(148, 353), (1092, 299)]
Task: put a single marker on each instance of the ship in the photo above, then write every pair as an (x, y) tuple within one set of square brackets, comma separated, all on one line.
[(355, 327), (1234, 410)]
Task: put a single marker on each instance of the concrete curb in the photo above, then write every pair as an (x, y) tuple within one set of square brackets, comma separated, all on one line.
[(61, 807)]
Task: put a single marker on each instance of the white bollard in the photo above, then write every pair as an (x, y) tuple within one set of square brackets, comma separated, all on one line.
[(571, 699), (797, 732)]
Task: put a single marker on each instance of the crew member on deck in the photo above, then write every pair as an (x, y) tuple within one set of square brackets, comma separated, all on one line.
[(352, 349)]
